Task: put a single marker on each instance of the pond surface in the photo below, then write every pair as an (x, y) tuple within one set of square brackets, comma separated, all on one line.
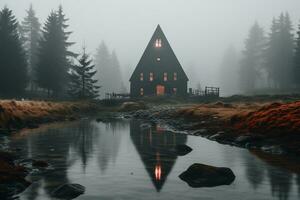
[(124, 160)]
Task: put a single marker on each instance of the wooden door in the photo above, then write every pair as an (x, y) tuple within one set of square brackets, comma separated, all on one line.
[(160, 90)]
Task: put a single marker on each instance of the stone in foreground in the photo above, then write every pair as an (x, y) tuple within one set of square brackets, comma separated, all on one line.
[(200, 175), (183, 149), (68, 191)]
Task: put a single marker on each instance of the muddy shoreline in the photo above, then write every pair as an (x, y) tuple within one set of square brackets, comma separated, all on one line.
[(215, 128)]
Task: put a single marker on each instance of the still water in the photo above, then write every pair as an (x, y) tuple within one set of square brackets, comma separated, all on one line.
[(124, 160)]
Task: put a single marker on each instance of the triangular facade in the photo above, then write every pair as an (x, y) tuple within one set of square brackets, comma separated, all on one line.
[(159, 71)]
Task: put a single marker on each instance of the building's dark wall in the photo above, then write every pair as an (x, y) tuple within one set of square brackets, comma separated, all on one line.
[(158, 61), (150, 86)]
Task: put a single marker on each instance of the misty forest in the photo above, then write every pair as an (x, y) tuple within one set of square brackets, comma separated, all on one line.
[(149, 99)]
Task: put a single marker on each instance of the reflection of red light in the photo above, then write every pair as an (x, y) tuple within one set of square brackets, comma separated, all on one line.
[(159, 129), (157, 172)]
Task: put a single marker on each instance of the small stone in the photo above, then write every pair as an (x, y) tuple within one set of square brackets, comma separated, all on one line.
[(199, 132), (68, 191), (183, 149), (214, 137), (40, 163)]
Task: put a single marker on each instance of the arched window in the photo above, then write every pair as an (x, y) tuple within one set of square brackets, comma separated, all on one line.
[(165, 76), (142, 91), (158, 43), (141, 76), (175, 76), (151, 76)]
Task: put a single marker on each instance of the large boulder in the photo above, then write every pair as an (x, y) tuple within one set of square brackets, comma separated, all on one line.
[(200, 175), (68, 191)]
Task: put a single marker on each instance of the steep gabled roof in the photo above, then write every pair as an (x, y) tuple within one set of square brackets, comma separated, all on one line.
[(166, 53)]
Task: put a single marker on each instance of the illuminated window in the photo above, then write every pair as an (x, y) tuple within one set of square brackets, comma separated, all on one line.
[(175, 90), (142, 91), (175, 76), (165, 76), (158, 172), (158, 43), (151, 76), (141, 76)]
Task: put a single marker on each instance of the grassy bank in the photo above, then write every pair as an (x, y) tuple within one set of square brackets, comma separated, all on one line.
[(274, 127), (15, 115)]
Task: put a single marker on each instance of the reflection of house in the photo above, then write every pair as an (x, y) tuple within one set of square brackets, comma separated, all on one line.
[(159, 71), (155, 148)]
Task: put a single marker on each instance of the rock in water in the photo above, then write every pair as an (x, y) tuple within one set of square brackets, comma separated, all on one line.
[(40, 163), (183, 149), (200, 175), (68, 191)]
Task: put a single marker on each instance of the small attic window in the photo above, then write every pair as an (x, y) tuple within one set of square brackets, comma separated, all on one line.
[(158, 43)]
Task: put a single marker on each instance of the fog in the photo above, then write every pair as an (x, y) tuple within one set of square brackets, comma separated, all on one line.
[(199, 31)]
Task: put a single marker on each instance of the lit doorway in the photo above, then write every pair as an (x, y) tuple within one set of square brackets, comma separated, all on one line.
[(160, 90)]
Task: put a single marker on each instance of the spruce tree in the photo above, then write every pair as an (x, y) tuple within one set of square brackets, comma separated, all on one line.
[(109, 67), (271, 54), (82, 82), (252, 60), (31, 34), (280, 51), (52, 66), (13, 66), (64, 26), (297, 60), (103, 63), (116, 86)]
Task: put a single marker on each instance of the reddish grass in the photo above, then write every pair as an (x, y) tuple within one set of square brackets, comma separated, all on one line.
[(275, 118), (262, 118)]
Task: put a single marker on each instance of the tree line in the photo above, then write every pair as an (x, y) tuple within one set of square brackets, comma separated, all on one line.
[(38, 60), (272, 61)]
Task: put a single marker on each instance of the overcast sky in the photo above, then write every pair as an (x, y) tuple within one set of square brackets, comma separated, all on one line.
[(198, 30)]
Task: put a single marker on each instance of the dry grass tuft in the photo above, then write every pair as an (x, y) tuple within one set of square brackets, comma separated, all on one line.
[(13, 113)]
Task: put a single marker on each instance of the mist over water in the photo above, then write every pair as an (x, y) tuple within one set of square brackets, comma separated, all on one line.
[(200, 32)]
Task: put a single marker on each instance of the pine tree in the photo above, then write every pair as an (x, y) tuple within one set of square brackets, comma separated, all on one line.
[(252, 58), (109, 67), (52, 64), (297, 60), (279, 53), (64, 26), (13, 66), (271, 54), (83, 85), (103, 63), (116, 71), (30, 29)]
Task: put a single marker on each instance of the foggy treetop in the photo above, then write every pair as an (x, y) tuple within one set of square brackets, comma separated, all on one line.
[(199, 31)]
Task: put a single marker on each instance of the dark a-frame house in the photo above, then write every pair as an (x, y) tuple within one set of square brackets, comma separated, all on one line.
[(159, 71)]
